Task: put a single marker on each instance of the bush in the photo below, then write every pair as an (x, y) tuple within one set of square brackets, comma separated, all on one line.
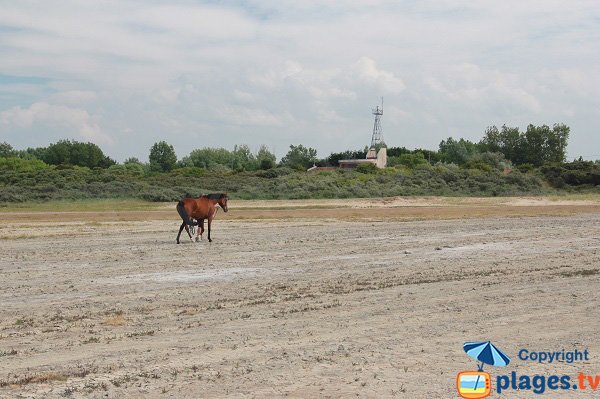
[(525, 168), (577, 173), (190, 172), (411, 160), (21, 165), (22, 180), (275, 172), (366, 168), (488, 161), (158, 194)]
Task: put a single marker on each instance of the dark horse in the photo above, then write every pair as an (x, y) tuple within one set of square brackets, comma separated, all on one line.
[(203, 207)]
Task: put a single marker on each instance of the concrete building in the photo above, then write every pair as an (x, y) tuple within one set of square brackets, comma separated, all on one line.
[(379, 159)]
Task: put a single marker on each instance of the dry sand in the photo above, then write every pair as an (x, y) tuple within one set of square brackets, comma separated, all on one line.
[(297, 299)]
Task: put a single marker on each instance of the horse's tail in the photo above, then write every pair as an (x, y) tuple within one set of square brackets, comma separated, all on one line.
[(184, 215)]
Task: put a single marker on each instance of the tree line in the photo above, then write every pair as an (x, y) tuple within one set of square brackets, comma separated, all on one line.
[(63, 152), (504, 162), (500, 148)]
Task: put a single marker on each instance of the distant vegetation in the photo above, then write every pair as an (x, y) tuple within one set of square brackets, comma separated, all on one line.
[(505, 162)]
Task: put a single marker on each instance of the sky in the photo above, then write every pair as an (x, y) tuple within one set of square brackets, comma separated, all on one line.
[(125, 74)]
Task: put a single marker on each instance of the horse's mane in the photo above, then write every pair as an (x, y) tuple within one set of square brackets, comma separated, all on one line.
[(214, 195)]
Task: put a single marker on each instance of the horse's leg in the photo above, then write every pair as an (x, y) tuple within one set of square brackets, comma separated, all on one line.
[(180, 230), (187, 228), (209, 223), (198, 230), (201, 227)]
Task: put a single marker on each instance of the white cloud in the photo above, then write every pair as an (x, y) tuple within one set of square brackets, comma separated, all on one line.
[(250, 117), (385, 81), (243, 96), (41, 113), (307, 71), (473, 86), (197, 23)]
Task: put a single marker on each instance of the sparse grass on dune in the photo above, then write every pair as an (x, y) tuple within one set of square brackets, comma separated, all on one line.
[(560, 196), (124, 205), (399, 208), (92, 205)]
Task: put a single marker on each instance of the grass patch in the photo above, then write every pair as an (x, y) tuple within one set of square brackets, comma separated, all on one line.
[(36, 379), (97, 205), (574, 197), (582, 273), (28, 322), (11, 352), (46, 377), (115, 321), (140, 334), (91, 340)]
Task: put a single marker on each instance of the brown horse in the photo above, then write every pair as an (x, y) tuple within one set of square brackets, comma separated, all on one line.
[(203, 207)]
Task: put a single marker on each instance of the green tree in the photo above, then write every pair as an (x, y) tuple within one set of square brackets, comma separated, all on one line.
[(209, 158), (508, 140), (162, 157), (299, 157), (457, 151), (58, 153), (537, 145), (556, 143), (6, 150), (265, 158), (334, 158), (33, 153), (409, 160), (67, 152), (24, 154), (240, 159), (243, 158), (546, 145), (397, 151), (133, 160), (431, 156)]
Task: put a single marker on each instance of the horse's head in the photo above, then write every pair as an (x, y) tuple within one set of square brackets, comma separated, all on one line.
[(223, 202)]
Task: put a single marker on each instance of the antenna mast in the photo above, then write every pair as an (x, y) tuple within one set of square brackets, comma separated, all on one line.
[(377, 138)]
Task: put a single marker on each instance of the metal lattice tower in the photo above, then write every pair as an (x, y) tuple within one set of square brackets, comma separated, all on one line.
[(377, 139)]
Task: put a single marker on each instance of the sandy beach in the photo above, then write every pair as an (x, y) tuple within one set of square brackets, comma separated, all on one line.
[(295, 299)]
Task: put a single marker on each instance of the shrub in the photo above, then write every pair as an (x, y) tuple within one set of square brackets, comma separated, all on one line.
[(412, 160), (21, 165), (158, 194), (366, 168), (189, 172), (525, 168)]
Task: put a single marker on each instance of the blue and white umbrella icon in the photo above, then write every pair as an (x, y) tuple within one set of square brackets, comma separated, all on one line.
[(486, 353)]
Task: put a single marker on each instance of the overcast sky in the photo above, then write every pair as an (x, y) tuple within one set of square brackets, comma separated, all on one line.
[(125, 73)]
